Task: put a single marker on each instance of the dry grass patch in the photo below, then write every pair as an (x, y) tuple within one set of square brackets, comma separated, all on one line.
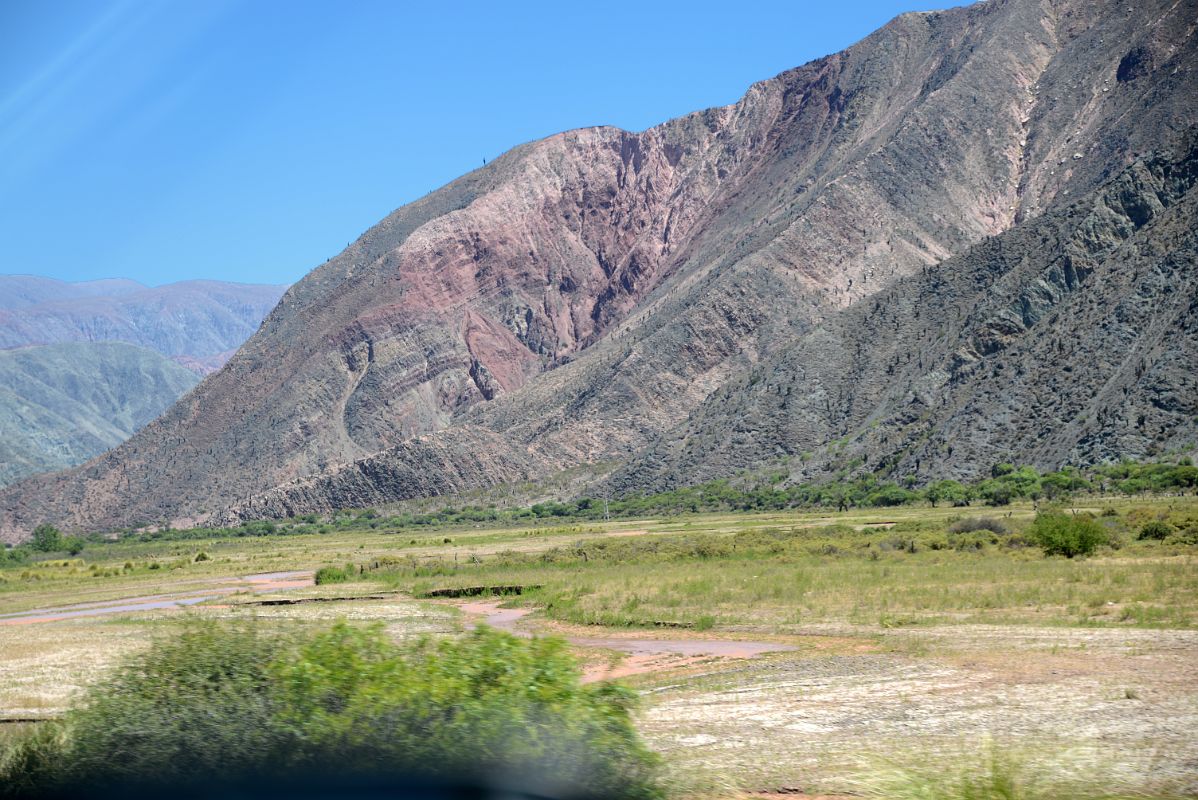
[(44, 667)]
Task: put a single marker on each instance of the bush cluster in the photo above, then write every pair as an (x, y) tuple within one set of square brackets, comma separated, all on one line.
[(1156, 529), (971, 524), (1004, 484), (230, 703), (46, 539), (326, 575), (1068, 535), (750, 543), (14, 555)]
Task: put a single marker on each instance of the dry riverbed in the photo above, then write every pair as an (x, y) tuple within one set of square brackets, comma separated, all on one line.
[(1122, 710)]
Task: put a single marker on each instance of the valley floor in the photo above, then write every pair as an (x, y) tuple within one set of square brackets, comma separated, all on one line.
[(816, 653)]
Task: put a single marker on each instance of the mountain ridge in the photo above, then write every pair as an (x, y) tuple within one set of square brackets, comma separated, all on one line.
[(988, 305), (196, 319)]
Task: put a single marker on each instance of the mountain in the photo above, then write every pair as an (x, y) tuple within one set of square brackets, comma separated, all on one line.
[(609, 297), (61, 404), (1069, 339), (23, 291), (64, 403), (194, 321)]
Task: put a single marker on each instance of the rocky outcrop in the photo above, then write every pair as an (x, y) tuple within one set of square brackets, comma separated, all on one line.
[(577, 298)]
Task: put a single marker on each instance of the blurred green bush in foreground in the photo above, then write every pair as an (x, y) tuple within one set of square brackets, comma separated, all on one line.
[(221, 702)]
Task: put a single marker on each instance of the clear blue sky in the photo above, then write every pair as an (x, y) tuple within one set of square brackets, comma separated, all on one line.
[(250, 140)]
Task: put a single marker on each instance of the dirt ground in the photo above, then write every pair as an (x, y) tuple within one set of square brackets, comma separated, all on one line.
[(1119, 706), (814, 712)]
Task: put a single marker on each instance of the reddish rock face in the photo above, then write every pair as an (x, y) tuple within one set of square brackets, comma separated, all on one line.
[(474, 303), (576, 299)]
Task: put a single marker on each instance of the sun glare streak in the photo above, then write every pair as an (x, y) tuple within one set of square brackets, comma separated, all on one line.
[(83, 86)]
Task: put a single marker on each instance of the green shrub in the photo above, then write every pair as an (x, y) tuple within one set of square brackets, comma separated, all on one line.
[(890, 495), (995, 492), (194, 706), (330, 575), (975, 540), (971, 524), (1186, 535), (1066, 535), (46, 538), (489, 701), (260, 527), (223, 702), (15, 555), (30, 763), (1155, 529), (930, 541)]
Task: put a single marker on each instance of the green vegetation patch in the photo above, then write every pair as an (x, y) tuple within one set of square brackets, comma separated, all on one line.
[(773, 578), (764, 492), (223, 702), (1068, 535)]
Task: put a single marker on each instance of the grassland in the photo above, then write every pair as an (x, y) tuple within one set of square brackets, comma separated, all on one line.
[(912, 642), (783, 573)]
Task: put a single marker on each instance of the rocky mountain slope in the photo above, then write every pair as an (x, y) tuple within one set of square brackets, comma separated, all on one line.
[(62, 404), (1070, 339), (601, 296), (198, 323)]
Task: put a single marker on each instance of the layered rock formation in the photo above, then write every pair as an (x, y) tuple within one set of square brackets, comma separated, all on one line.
[(1070, 339), (578, 299)]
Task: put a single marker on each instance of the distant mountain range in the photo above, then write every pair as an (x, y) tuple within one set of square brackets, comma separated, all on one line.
[(968, 238), (61, 404), (85, 365), (198, 323)]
